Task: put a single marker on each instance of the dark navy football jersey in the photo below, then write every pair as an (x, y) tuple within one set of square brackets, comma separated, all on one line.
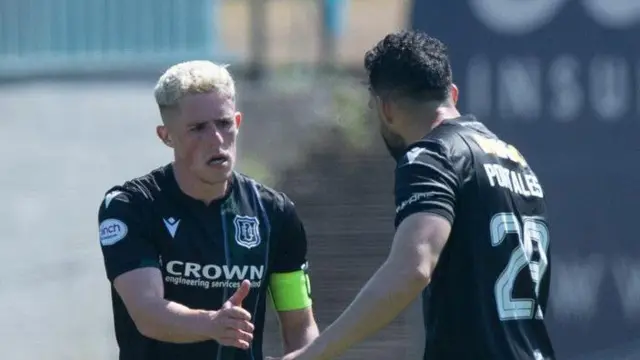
[(489, 291), (204, 252)]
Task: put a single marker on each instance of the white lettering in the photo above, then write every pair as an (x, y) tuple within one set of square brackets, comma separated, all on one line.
[(516, 17), (192, 270), (235, 272), (610, 87), (211, 272), (518, 186), (214, 272), (614, 14), (491, 174), (606, 86), (519, 88), (533, 185), (414, 198), (177, 280), (523, 184), (564, 80), (504, 180), (576, 287), (171, 267), (627, 278), (256, 272)]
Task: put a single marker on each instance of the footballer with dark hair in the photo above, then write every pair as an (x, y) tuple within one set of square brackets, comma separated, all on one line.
[(471, 241)]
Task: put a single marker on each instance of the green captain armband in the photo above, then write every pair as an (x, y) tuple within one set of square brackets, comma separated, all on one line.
[(290, 291)]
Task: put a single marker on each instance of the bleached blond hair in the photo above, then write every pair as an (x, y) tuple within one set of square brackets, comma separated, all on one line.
[(193, 77)]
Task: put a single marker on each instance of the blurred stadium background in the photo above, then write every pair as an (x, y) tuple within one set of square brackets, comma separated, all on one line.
[(560, 79)]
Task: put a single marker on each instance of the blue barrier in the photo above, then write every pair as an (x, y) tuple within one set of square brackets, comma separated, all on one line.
[(335, 11), (50, 36)]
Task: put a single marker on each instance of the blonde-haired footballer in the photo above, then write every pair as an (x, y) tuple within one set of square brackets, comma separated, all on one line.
[(194, 249)]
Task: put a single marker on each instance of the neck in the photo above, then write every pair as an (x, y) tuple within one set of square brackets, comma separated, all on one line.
[(421, 128), (196, 188)]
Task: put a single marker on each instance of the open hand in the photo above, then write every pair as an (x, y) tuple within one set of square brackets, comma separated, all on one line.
[(231, 324)]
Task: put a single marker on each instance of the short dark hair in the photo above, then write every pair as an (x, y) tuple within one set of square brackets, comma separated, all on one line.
[(409, 64)]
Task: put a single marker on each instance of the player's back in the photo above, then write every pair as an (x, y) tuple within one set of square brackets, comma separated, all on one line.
[(489, 291)]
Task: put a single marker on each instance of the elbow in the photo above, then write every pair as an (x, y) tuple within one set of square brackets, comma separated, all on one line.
[(298, 330), (413, 274), (148, 323), (310, 330), (415, 270), (421, 274), (149, 330), (296, 339), (158, 333), (421, 269), (303, 329)]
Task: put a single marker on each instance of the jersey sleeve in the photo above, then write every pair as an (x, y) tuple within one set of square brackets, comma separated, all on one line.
[(125, 243), (291, 251), (426, 181), (289, 284)]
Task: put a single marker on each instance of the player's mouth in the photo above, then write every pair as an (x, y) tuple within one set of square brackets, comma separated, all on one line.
[(218, 160)]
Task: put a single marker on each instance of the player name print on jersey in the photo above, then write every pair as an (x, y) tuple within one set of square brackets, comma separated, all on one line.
[(513, 180), (519, 179)]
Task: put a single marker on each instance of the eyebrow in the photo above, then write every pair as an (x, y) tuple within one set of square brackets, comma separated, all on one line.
[(200, 122)]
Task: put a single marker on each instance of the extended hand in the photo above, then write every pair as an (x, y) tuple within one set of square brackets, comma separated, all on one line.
[(231, 324)]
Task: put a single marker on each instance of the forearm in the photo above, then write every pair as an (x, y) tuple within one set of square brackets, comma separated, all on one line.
[(382, 299), (175, 323), (294, 340)]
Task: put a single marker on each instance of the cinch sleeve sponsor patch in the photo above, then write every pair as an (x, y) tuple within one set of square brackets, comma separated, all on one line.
[(125, 241), (112, 231)]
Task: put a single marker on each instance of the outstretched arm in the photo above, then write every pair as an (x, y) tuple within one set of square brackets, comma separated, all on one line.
[(132, 265), (426, 188), (406, 272)]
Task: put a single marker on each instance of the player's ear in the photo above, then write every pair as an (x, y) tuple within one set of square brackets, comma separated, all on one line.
[(454, 94), (383, 107), (238, 118), (163, 134), (389, 108)]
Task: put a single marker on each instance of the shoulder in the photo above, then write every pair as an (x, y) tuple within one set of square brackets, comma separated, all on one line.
[(427, 153), (444, 149), (137, 192), (274, 200)]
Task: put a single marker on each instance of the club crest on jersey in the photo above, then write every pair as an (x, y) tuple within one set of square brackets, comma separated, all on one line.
[(247, 231)]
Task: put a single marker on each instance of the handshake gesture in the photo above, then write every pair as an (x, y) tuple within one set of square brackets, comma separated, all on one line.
[(232, 324)]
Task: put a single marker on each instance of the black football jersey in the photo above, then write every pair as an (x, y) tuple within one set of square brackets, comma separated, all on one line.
[(488, 294), (204, 253)]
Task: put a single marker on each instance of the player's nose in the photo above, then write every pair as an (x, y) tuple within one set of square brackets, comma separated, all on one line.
[(214, 136)]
